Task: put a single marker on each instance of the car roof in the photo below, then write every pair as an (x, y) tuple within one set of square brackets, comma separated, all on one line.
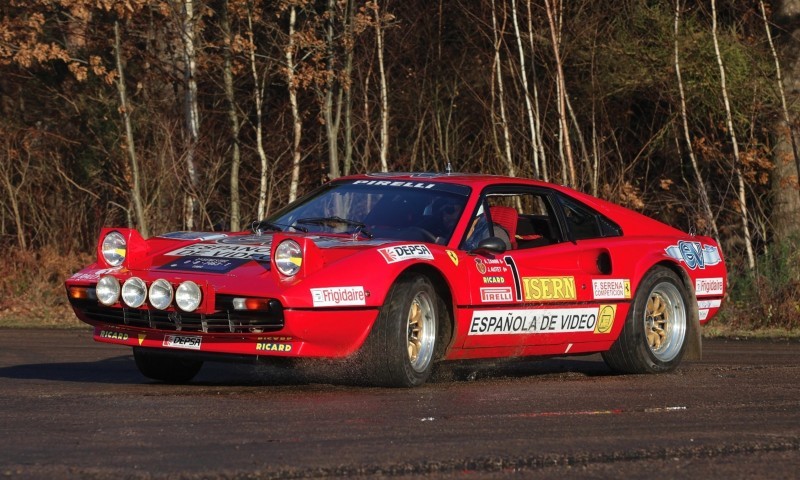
[(471, 179), (632, 222)]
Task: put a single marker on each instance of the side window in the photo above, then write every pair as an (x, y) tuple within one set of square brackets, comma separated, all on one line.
[(525, 217), (585, 223)]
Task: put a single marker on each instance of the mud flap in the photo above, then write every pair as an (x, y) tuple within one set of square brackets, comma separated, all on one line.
[(694, 334)]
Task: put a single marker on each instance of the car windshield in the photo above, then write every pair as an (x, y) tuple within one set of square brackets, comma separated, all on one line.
[(416, 211)]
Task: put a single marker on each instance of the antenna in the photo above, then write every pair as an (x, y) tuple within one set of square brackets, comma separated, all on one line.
[(449, 168)]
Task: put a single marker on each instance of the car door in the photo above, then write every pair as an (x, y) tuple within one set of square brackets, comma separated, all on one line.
[(545, 289)]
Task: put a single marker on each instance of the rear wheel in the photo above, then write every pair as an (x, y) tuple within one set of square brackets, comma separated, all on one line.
[(653, 339), (400, 349), (165, 368)]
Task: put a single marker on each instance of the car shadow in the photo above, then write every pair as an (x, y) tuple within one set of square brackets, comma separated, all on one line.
[(121, 370)]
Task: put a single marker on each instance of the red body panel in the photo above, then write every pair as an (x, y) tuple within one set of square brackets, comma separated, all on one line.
[(565, 298)]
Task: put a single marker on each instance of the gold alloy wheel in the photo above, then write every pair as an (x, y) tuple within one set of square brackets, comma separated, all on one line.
[(665, 321), (421, 331)]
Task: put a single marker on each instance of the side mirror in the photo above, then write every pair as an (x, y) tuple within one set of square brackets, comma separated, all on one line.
[(491, 245)]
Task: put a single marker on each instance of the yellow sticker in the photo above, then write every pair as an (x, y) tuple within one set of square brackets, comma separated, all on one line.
[(549, 288), (452, 256), (142, 336), (605, 318)]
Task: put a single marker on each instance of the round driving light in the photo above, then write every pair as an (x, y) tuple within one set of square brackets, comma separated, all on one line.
[(188, 296), (107, 290), (288, 257), (114, 249), (160, 294), (134, 291)]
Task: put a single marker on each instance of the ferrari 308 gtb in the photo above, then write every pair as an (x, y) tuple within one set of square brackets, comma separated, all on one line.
[(397, 272)]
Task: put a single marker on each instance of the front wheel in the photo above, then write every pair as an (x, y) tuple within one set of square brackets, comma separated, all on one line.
[(165, 368), (653, 339), (400, 349)]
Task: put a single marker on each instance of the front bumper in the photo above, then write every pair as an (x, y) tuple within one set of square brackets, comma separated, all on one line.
[(332, 333)]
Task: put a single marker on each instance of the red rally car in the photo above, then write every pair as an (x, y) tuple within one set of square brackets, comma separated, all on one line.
[(400, 271)]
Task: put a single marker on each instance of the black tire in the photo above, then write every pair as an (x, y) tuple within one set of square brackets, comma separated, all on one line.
[(402, 345), (165, 368), (658, 326)]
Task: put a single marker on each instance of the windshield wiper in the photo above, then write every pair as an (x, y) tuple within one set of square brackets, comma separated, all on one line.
[(259, 225), (332, 221)]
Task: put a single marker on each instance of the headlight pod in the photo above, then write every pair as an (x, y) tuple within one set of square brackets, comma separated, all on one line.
[(188, 296), (160, 294), (107, 290), (134, 292), (288, 257), (114, 249)]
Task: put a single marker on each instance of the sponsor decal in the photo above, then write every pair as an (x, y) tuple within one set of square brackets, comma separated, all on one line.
[(494, 280), (605, 318), (247, 240), (205, 264), (515, 273), (453, 256), (182, 341), (275, 339), (93, 275), (112, 335), (218, 250), (694, 254), (189, 235), (703, 314), (521, 322), (142, 336), (480, 266), (608, 289), (496, 294), (708, 286), (387, 183), (539, 289), (401, 253), (338, 296), (485, 266), (709, 303), (273, 347)]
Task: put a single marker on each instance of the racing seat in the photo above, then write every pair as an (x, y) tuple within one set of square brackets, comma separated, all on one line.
[(506, 217)]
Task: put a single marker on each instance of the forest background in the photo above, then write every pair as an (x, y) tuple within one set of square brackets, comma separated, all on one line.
[(207, 114)]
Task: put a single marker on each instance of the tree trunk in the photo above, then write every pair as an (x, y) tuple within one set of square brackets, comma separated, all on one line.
[(331, 119), (512, 171), (526, 91), (785, 217), (136, 188), (258, 97), (536, 115), (233, 117), (737, 167), (297, 121), (701, 186), (191, 111), (384, 91), (553, 8)]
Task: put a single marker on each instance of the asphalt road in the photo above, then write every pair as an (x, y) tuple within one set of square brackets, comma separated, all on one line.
[(72, 408)]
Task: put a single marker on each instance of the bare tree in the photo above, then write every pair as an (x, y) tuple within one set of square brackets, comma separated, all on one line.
[(526, 91), (296, 119), (125, 109), (233, 116), (553, 8), (384, 153), (751, 262), (512, 171), (701, 186), (786, 173), (259, 82), (188, 23)]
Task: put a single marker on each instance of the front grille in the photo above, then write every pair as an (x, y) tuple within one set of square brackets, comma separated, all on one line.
[(224, 320)]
